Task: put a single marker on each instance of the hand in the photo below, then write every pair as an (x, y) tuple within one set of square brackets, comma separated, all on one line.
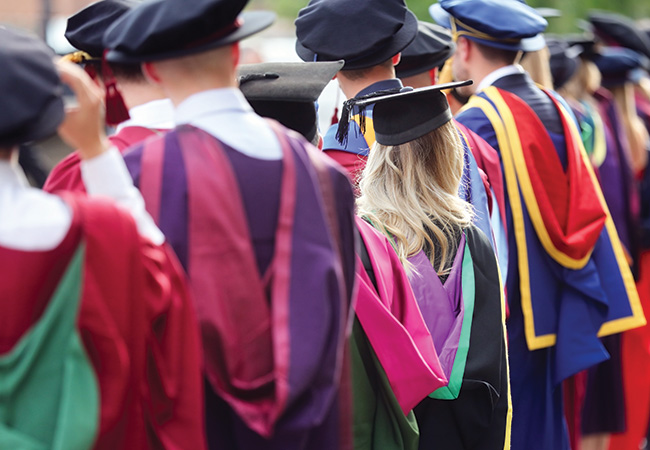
[(83, 127)]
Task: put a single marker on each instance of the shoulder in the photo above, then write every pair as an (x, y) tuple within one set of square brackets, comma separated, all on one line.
[(480, 247), (355, 144), (104, 222), (66, 175)]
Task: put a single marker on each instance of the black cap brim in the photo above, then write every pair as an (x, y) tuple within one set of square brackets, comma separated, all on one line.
[(253, 22), (399, 42)]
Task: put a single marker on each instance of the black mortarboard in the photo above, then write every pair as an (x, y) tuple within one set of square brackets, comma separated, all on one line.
[(617, 63), (32, 105), (408, 115), (584, 44), (85, 29), (431, 48), (563, 61), (286, 92), (364, 33), (615, 29), (165, 29)]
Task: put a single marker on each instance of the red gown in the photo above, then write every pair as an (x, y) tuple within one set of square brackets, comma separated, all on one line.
[(66, 175), (135, 320)]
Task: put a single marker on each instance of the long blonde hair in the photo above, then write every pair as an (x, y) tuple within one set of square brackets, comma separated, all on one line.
[(637, 135), (411, 190)]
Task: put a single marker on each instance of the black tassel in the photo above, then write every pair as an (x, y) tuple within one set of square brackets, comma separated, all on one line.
[(346, 113)]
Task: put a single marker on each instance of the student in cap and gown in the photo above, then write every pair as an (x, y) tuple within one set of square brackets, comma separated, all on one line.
[(594, 399), (394, 362), (263, 224), (412, 177), (568, 281), (620, 31), (149, 112), (99, 345), (616, 65), (369, 35), (419, 67)]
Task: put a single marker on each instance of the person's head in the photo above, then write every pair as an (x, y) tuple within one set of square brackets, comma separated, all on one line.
[(184, 47), (32, 103), (287, 92), (352, 81), (409, 187), (489, 34), (367, 34), (421, 60)]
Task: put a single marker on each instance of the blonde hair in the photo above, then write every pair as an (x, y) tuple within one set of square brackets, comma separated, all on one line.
[(537, 64), (637, 135), (411, 190)]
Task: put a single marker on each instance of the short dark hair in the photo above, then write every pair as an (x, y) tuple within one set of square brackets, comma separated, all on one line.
[(122, 71), (497, 54), (358, 74)]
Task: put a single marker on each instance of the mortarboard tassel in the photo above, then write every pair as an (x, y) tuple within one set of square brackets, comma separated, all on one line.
[(346, 113), (116, 110)]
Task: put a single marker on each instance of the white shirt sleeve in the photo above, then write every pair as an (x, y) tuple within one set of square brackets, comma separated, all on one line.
[(106, 175)]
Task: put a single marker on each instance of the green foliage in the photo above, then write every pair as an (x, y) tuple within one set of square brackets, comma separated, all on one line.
[(571, 10)]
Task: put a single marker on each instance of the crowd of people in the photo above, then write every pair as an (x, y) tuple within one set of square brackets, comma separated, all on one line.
[(461, 261)]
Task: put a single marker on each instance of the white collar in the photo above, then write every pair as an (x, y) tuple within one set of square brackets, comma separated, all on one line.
[(214, 101), (11, 175), (501, 72), (156, 114)]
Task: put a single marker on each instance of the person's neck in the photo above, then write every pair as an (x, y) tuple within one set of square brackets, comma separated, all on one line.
[(182, 91), (6, 154), (136, 94), (480, 70), (352, 87)]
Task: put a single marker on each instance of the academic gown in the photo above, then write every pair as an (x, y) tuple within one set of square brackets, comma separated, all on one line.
[(465, 314), (602, 287), (636, 343), (66, 175), (269, 250), (394, 361), (103, 352)]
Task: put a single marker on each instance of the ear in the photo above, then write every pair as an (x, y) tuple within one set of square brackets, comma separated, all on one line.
[(236, 54), (463, 48), (396, 59), (150, 72)]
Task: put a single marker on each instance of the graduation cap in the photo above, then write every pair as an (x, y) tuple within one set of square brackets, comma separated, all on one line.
[(505, 24), (166, 29), (585, 44), (364, 33), (563, 61), (617, 64), (32, 104), (431, 48), (615, 29), (85, 29), (286, 92), (408, 115)]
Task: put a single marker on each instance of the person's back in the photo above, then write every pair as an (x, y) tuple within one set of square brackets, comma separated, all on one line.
[(98, 347), (261, 221), (451, 267), (559, 236), (142, 110)]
